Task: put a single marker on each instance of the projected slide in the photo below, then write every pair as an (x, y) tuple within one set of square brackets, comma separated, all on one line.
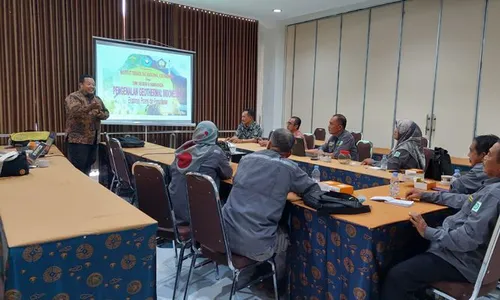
[(143, 84)]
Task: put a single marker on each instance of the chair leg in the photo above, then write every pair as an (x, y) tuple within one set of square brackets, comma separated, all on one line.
[(275, 278), (175, 249), (134, 198), (113, 181), (217, 274), (193, 262), (118, 188), (179, 268), (236, 275)]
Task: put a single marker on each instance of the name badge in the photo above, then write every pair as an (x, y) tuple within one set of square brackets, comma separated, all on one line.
[(476, 207)]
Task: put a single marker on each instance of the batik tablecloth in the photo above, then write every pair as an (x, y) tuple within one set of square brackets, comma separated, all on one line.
[(120, 265), (335, 259)]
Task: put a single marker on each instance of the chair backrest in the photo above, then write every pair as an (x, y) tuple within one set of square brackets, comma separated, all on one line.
[(428, 155), (365, 149), (320, 134), (270, 134), (205, 209), (152, 193), (424, 142), (309, 139), (299, 148), (490, 268), (109, 154), (357, 136), (120, 162)]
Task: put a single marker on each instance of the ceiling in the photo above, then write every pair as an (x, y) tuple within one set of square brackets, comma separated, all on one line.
[(262, 10)]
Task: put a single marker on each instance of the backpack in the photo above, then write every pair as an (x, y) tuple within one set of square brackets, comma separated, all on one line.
[(225, 148), (439, 164), (22, 139), (327, 203), (130, 142)]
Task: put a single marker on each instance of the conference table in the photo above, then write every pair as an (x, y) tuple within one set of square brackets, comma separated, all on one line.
[(64, 236), (461, 163), (361, 177), (339, 256)]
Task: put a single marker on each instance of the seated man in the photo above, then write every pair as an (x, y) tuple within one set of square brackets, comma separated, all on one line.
[(473, 180), (457, 248), (248, 131), (258, 197), (293, 125), (340, 140)]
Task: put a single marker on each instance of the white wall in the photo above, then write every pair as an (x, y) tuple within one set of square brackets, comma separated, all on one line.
[(407, 69), (270, 72)]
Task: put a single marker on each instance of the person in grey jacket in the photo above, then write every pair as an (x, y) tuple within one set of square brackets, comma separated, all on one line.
[(258, 197), (458, 247), (340, 140), (470, 182), (202, 155)]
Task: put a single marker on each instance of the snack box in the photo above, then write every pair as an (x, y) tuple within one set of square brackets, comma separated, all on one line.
[(340, 187)]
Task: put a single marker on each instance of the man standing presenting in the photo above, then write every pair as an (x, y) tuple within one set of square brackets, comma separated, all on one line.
[(248, 131), (84, 112)]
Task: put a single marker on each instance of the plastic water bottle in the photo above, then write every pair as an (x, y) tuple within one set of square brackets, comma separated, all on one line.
[(316, 174), (456, 175), (394, 185), (383, 163)]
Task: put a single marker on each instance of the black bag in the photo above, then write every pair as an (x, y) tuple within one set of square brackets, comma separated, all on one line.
[(130, 142), (15, 165), (439, 164), (327, 203), (225, 148)]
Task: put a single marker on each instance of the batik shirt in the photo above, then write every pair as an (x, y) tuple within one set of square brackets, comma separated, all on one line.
[(252, 131), (83, 126)]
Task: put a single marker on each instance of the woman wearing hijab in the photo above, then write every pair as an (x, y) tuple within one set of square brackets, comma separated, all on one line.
[(201, 155), (408, 152)]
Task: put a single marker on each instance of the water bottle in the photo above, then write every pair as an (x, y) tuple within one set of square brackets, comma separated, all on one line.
[(394, 185), (383, 163), (316, 174), (456, 175)]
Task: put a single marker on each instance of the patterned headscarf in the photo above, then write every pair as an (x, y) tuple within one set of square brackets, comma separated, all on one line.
[(188, 156), (410, 139)]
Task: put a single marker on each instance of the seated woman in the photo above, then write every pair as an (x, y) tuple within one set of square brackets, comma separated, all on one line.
[(473, 180), (202, 155), (408, 152)]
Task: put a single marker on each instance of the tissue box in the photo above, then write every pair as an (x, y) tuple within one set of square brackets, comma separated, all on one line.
[(340, 187), (425, 185)]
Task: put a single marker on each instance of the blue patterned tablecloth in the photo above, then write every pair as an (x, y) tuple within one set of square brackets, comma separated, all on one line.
[(119, 265), (335, 259)]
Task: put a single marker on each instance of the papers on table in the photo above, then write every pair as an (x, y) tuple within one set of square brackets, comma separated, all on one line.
[(390, 200), (375, 168)]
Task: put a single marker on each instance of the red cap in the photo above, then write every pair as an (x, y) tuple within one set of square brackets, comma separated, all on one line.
[(344, 152)]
